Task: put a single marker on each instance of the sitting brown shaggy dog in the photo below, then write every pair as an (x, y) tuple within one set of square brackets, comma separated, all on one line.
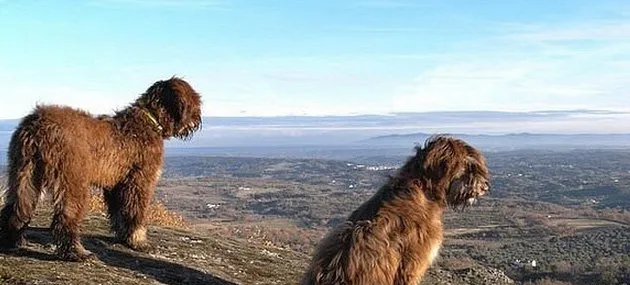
[(394, 237), (66, 152)]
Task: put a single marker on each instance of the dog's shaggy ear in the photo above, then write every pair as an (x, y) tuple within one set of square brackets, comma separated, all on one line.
[(176, 105), (443, 156)]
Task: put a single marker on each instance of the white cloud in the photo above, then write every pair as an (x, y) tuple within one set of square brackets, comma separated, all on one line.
[(512, 86), (529, 67), (573, 32)]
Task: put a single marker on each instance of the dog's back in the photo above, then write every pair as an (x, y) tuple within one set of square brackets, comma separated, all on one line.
[(63, 138)]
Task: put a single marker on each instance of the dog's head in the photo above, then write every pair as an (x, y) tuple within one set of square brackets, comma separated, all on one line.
[(175, 105), (455, 171)]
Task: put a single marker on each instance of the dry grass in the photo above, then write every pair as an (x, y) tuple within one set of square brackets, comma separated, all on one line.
[(458, 263), (159, 215), (547, 281), (3, 188)]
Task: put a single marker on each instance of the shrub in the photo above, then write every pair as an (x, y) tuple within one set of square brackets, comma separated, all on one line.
[(562, 267)]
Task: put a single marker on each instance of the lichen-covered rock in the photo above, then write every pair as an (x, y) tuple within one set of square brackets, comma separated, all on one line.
[(475, 275)]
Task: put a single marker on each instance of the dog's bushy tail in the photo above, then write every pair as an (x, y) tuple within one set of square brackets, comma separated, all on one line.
[(23, 193)]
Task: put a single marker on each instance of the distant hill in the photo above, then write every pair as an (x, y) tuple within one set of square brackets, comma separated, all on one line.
[(272, 136), (8, 125), (514, 141)]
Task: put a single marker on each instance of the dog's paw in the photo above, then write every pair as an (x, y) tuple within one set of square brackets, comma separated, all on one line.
[(144, 246), (76, 255)]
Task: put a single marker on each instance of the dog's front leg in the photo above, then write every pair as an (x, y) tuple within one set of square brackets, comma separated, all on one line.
[(128, 203), (411, 269)]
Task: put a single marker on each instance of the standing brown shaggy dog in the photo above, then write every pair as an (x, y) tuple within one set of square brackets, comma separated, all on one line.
[(66, 152), (394, 237)]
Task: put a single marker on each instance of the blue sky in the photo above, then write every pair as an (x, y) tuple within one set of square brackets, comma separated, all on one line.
[(269, 58)]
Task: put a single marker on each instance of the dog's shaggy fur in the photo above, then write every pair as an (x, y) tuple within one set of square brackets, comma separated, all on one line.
[(394, 237), (66, 152)]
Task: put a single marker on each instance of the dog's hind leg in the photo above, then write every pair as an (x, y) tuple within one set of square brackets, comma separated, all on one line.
[(24, 189), (114, 209), (70, 208)]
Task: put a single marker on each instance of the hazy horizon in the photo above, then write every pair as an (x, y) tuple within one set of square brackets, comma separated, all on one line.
[(291, 131), (465, 122)]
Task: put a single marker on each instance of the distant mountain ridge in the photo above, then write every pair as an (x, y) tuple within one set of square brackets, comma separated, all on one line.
[(503, 130), (512, 140)]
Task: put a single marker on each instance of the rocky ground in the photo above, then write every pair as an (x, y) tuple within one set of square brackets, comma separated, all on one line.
[(179, 257)]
